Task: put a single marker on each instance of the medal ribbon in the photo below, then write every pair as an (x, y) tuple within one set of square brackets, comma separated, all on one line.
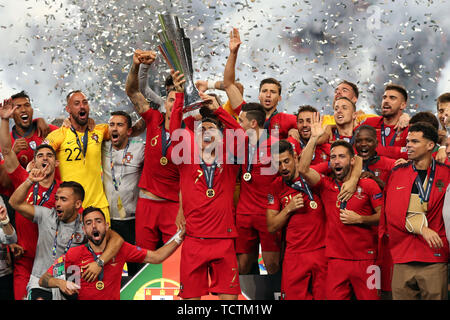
[(116, 183), (165, 143), (208, 172), (301, 186), (383, 137), (45, 195), (100, 276), (267, 122), (425, 194), (367, 163), (338, 136), (85, 140), (251, 153), (70, 240), (343, 203), (303, 145)]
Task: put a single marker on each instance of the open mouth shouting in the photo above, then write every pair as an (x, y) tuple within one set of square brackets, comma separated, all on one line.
[(59, 212), (364, 152), (115, 137)]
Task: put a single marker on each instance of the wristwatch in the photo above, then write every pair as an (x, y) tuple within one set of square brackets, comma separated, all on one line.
[(100, 262)]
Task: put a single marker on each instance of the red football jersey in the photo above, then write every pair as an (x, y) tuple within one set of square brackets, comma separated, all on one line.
[(253, 194), (382, 167), (321, 153), (27, 231), (392, 149), (305, 230), (25, 156), (393, 216), (161, 180), (282, 122), (206, 217), (351, 242), (112, 271)]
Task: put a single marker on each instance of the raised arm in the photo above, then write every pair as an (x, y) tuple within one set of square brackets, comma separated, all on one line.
[(140, 104), (11, 161), (311, 175), (18, 198), (233, 93), (144, 68)]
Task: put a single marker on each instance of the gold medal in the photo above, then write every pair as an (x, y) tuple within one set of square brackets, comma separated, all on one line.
[(247, 176), (210, 193), (100, 285), (313, 204), (163, 161)]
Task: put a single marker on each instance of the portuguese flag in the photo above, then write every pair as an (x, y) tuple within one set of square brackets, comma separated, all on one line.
[(158, 282)]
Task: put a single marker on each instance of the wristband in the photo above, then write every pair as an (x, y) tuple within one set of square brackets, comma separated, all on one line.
[(5, 222), (211, 84), (442, 147), (178, 239)]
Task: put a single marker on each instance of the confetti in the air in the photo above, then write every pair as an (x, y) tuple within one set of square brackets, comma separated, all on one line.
[(51, 47)]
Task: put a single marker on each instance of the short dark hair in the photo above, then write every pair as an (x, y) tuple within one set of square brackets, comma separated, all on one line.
[(255, 111), (21, 94), (91, 209), (351, 84), (44, 146), (272, 81), (213, 119), (282, 146), (345, 98), (398, 88), (306, 108), (345, 144), (123, 114), (366, 127), (77, 188), (168, 83), (443, 98), (429, 132), (425, 116)]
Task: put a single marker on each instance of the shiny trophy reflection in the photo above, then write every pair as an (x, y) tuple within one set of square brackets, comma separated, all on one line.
[(175, 47)]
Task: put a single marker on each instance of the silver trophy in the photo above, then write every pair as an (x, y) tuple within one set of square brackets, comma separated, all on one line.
[(176, 49)]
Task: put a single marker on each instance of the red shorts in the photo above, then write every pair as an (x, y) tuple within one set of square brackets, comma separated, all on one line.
[(252, 227), (22, 272), (155, 220), (203, 257), (304, 275), (386, 264), (345, 275)]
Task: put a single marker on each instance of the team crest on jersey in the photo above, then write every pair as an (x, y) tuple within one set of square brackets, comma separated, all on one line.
[(270, 199), (129, 157), (78, 237), (95, 137), (359, 193), (32, 145)]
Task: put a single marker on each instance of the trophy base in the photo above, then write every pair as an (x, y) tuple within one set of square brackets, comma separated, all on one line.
[(192, 110)]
